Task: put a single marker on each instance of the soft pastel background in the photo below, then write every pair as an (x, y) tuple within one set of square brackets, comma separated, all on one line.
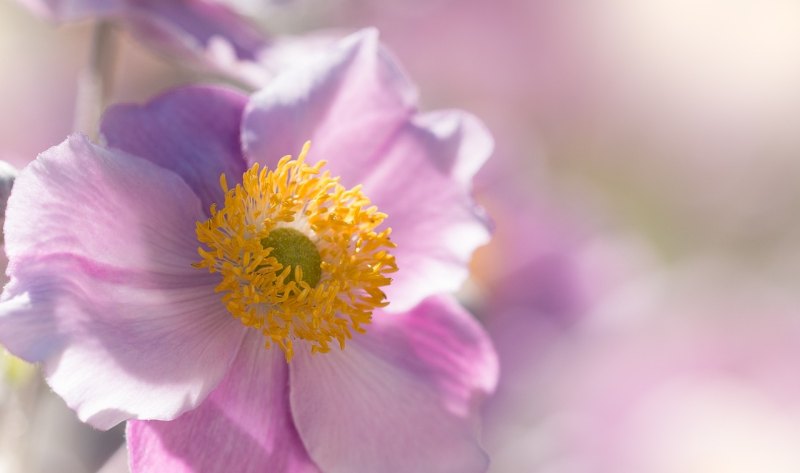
[(641, 287)]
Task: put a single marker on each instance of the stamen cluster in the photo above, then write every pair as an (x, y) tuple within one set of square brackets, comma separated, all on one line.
[(273, 296)]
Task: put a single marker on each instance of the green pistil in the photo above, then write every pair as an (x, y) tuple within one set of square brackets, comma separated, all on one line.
[(292, 248)]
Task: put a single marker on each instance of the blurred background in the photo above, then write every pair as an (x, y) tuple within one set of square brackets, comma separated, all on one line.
[(641, 286)]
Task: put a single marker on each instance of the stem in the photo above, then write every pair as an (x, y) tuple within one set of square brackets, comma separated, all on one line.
[(95, 81)]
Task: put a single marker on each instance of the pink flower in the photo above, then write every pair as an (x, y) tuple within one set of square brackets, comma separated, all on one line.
[(539, 281), (208, 32), (108, 290)]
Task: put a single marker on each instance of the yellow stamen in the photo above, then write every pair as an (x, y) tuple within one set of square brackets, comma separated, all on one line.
[(299, 255)]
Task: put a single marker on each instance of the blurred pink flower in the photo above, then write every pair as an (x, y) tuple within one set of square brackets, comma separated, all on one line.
[(688, 371), (550, 265), (532, 262), (208, 32), (101, 243)]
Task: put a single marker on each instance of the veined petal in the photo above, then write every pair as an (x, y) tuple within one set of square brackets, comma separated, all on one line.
[(192, 131), (102, 291), (402, 398), (243, 426)]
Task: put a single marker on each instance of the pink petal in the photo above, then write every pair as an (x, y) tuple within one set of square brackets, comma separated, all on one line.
[(178, 25), (424, 184), (244, 425), (348, 100), (188, 27), (287, 51), (357, 108), (192, 131), (102, 291), (208, 33), (403, 398)]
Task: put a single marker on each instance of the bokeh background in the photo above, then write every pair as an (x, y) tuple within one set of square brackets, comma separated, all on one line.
[(641, 288)]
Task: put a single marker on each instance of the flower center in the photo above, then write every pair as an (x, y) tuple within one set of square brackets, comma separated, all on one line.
[(299, 255), (294, 250)]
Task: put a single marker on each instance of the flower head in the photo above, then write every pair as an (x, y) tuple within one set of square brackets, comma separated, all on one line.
[(166, 277)]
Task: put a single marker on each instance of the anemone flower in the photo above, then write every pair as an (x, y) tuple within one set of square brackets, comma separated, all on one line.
[(252, 312)]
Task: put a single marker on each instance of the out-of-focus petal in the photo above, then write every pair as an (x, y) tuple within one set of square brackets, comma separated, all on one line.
[(208, 33), (123, 324), (402, 398), (191, 27), (244, 426), (192, 131)]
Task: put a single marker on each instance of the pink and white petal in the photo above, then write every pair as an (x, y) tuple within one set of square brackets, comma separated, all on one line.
[(244, 425), (102, 291), (193, 131), (348, 100), (423, 182), (105, 206), (402, 398), (292, 51)]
